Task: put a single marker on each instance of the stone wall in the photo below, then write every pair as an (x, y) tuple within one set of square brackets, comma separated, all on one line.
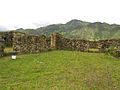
[(73, 44), (105, 44), (1, 46), (23, 43), (59, 42), (7, 36)]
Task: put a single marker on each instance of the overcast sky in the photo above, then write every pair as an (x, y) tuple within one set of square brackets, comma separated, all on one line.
[(36, 13)]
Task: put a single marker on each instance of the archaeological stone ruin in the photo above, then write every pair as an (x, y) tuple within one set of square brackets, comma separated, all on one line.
[(2, 46), (23, 43)]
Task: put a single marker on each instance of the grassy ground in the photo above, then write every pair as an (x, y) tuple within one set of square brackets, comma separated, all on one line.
[(60, 70)]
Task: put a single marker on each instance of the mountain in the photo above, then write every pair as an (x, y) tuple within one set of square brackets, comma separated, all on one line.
[(79, 29)]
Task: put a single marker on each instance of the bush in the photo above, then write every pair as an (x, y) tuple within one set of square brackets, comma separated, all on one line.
[(113, 50)]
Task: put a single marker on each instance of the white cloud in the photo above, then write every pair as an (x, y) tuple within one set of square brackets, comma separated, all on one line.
[(23, 13)]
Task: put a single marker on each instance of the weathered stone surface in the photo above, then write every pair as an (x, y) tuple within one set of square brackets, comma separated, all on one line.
[(7, 36), (1, 46), (59, 42), (23, 43)]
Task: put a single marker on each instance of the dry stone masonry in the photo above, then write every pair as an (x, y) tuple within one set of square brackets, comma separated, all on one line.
[(1, 46), (59, 42), (7, 36), (23, 43)]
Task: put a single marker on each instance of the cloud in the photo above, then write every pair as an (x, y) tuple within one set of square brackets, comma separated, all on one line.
[(2, 28), (30, 13), (40, 24)]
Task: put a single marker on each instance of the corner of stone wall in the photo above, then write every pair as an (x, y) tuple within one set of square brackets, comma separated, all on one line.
[(55, 40)]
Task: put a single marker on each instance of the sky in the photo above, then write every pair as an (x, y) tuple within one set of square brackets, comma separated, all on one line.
[(36, 13)]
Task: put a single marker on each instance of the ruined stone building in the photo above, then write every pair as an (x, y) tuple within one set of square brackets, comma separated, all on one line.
[(23, 43)]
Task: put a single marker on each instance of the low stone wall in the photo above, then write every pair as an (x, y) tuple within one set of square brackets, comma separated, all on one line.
[(59, 42), (7, 36), (73, 44), (1, 46), (105, 44), (23, 43)]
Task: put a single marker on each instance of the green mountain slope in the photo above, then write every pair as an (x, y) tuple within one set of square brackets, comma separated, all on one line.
[(79, 29)]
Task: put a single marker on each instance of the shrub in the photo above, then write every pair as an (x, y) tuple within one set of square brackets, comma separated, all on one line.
[(113, 50)]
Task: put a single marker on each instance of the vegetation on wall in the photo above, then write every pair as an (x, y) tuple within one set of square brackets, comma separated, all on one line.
[(113, 50)]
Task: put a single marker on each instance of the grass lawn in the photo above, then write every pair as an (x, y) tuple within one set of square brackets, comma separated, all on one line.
[(60, 70)]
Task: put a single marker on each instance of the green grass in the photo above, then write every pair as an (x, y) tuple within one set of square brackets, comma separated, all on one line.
[(60, 70)]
